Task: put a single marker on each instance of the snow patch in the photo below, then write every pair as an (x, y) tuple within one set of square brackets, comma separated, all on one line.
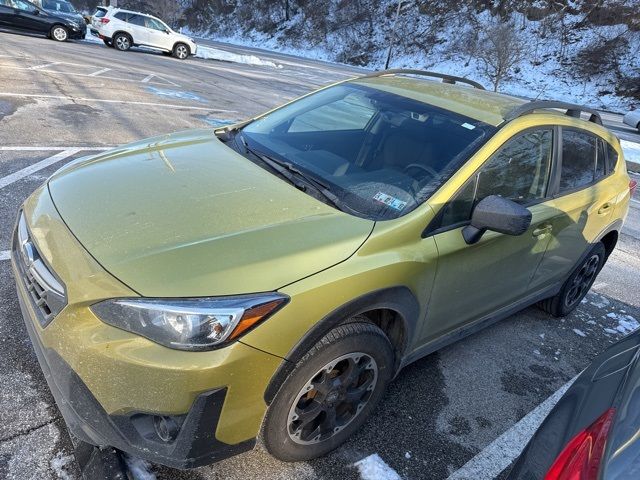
[(58, 465), (579, 332), (209, 53), (626, 323), (374, 468), (631, 151), (140, 469)]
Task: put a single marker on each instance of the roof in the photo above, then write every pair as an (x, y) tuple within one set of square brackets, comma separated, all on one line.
[(481, 105)]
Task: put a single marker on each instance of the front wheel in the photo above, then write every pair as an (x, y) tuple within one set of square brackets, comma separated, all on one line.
[(181, 51), (575, 288), (59, 33), (330, 393)]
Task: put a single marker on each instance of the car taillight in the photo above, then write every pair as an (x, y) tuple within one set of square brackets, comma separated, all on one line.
[(104, 21), (580, 459), (632, 186)]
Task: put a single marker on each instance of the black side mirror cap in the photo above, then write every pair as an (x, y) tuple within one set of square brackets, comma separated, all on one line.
[(497, 214)]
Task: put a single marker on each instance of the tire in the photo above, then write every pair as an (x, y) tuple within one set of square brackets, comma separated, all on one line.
[(577, 285), (59, 33), (181, 51), (122, 42), (108, 43), (312, 388)]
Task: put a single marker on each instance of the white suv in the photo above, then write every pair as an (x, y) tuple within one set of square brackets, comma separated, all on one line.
[(123, 29)]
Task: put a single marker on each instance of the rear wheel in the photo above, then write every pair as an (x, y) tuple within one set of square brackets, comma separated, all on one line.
[(330, 393), (59, 33), (577, 285), (181, 51), (122, 42)]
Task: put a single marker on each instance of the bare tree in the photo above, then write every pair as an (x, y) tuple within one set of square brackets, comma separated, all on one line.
[(500, 50)]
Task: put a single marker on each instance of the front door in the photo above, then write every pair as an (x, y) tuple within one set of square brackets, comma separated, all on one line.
[(474, 281), (26, 18), (157, 34)]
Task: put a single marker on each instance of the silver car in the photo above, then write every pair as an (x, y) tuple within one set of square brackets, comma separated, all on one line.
[(633, 119)]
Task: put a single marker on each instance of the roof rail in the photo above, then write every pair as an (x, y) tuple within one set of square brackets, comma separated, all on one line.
[(451, 79), (572, 110)]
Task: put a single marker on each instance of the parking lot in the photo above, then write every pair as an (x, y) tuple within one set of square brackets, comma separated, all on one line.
[(460, 413)]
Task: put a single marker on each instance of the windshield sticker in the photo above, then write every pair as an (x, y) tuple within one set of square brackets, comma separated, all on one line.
[(390, 201), (468, 125)]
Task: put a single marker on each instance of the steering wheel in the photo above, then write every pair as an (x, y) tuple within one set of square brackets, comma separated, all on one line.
[(419, 166)]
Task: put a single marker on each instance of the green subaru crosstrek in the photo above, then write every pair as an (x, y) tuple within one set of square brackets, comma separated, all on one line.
[(192, 292)]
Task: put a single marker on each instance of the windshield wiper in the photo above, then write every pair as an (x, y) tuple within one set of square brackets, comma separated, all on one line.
[(289, 171)]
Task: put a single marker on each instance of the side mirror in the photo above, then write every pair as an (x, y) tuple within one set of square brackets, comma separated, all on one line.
[(497, 214), (36, 11)]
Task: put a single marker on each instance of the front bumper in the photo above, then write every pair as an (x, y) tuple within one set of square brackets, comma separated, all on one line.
[(111, 386), (78, 33)]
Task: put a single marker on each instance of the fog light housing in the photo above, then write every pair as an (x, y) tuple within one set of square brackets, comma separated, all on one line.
[(166, 428)]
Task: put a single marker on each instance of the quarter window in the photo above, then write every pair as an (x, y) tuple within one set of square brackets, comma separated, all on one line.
[(578, 159), (612, 157), (601, 160)]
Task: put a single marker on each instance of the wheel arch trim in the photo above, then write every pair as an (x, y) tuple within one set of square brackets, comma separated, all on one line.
[(398, 299)]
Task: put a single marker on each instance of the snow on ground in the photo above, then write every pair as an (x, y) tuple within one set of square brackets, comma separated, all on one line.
[(209, 53), (374, 468), (59, 463), (140, 469), (631, 151)]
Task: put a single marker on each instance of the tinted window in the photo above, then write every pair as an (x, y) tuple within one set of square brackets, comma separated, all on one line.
[(101, 13), (601, 160), (578, 159), (612, 157), (58, 6), (120, 16), (20, 5), (459, 209), (518, 171), (154, 24), (139, 20), (380, 154)]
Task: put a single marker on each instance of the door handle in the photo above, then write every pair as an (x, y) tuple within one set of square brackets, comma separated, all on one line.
[(542, 230), (604, 208)]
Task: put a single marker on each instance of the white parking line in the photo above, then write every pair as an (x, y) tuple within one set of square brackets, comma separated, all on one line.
[(491, 461), (47, 149), (5, 255), (147, 78), (25, 172), (99, 72), (104, 100), (44, 65)]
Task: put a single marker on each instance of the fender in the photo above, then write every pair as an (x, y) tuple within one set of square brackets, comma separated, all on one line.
[(398, 299)]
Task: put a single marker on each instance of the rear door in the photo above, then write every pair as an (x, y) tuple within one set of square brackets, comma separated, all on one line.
[(7, 14), (26, 18), (583, 200), (136, 27)]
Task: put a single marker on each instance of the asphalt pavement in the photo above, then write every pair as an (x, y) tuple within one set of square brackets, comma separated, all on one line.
[(62, 101)]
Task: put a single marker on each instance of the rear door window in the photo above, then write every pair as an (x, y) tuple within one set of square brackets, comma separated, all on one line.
[(579, 153), (137, 20), (601, 160)]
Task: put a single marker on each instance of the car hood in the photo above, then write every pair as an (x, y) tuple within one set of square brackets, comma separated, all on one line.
[(184, 215)]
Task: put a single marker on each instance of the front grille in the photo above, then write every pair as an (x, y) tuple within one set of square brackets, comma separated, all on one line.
[(46, 292)]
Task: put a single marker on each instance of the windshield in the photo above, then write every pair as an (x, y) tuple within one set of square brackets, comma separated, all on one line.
[(58, 6), (379, 153)]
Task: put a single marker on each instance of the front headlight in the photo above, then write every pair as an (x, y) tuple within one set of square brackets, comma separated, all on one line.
[(189, 324)]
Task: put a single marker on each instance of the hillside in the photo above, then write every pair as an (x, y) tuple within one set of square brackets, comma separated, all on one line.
[(584, 51)]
